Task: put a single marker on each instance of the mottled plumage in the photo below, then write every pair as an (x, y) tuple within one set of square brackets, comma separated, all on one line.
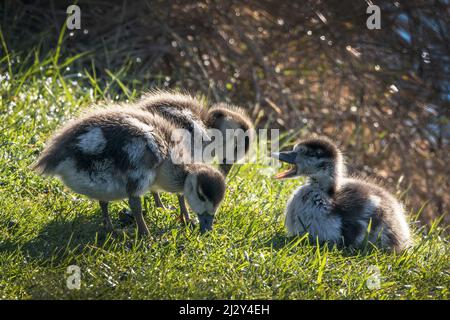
[(119, 152)]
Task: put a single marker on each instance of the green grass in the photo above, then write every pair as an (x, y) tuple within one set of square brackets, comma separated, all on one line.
[(44, 227)]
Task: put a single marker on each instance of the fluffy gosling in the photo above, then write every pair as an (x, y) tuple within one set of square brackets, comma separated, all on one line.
[(116, 153), (335, 208)]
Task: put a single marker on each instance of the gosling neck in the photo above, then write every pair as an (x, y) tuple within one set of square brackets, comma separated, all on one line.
[(171, 177), (328, 182)]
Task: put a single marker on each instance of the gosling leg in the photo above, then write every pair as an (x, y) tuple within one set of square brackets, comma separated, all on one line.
[(184, 213), (158, 201), (106, 219), (136, 210)]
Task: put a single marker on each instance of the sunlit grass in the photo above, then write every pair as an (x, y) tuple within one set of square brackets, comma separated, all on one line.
[(44, 227)]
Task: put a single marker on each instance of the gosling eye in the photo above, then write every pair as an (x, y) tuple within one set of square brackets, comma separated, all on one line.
[(319, 153), (322, 165), (201, 197), (314, 153)]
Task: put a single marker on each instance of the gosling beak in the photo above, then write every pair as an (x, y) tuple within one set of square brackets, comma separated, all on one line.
[(288, 157), (225, 168), (206, 221)]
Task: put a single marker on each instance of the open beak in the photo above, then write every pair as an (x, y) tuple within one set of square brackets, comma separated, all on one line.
[(289, 157), (206, 221)]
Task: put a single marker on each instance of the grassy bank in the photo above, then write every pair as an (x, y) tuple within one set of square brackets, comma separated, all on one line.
[(44, 227)]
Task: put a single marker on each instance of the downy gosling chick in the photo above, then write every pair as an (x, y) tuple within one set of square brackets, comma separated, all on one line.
[(187, 112), (116, 153), (338, 209)]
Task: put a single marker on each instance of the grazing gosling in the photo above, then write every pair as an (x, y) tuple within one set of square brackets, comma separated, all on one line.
[(187, 112), (116, 153), (338, 209)]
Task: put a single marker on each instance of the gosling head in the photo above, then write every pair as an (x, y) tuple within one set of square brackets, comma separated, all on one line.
[(226, 117), (315, 157), (204, 190)]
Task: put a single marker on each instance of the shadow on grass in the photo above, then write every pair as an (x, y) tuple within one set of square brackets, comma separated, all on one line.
[(71, 236), (61, 236)]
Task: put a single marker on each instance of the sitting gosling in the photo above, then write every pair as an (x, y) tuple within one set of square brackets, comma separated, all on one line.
[(116, 153), (338, 209), (187, 112)]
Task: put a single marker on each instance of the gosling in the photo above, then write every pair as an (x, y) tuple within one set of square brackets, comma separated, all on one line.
[(187, 112), (117, 153), (337, 209)]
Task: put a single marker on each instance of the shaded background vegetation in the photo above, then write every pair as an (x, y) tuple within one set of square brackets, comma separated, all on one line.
[(306, 66)]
